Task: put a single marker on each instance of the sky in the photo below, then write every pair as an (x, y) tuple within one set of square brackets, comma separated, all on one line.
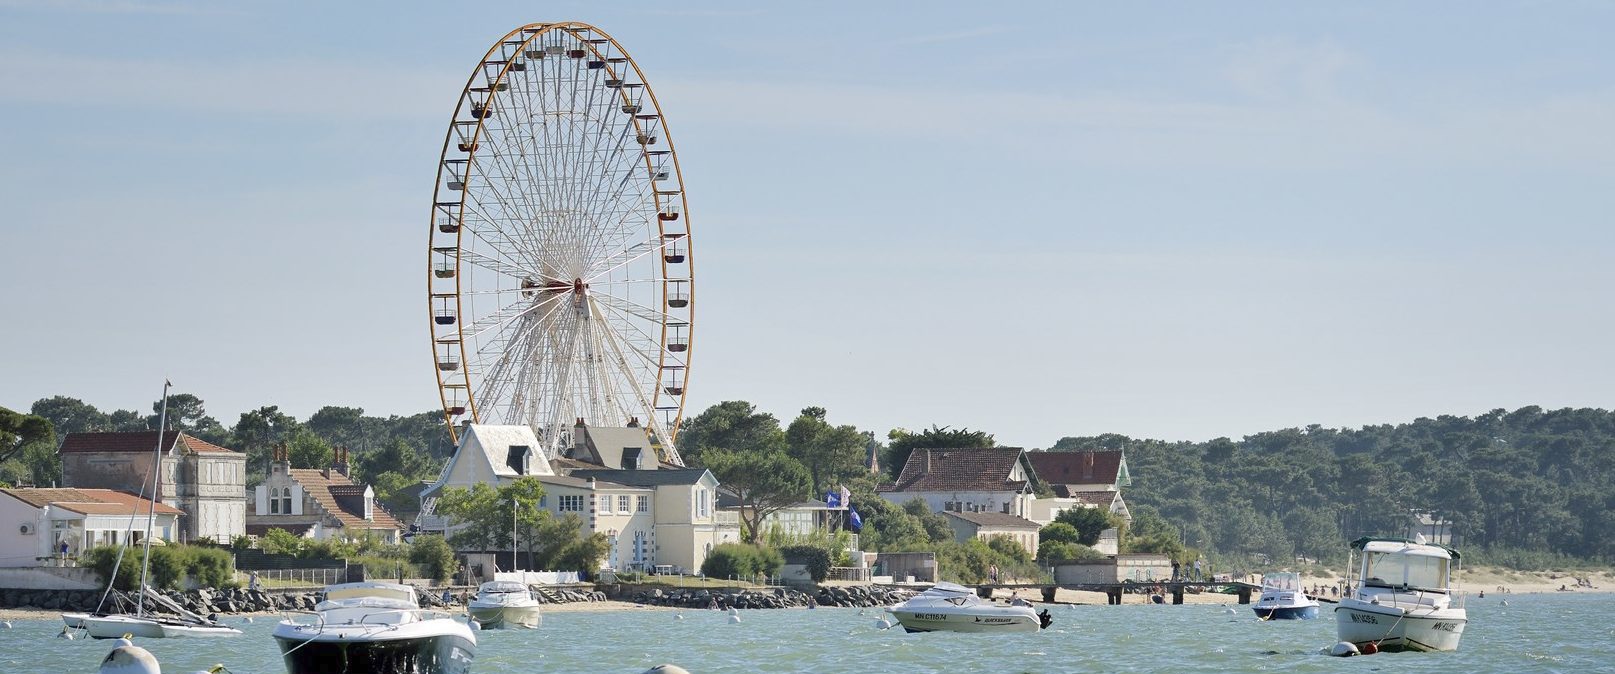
[(1176, 220)]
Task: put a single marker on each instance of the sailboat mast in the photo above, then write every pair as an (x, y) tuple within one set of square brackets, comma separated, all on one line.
[(513, 565), (151, 508)]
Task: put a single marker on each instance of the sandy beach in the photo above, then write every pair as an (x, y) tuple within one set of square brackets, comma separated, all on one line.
[(1475, 581)]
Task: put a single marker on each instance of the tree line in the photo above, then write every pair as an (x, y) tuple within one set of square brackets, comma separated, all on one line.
[(1509, 484), (390, 453)]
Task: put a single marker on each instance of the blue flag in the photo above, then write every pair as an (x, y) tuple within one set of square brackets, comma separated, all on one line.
[(832, 499), (854, 522)]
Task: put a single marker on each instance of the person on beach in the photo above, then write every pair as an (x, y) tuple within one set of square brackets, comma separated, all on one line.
[(252, 582)]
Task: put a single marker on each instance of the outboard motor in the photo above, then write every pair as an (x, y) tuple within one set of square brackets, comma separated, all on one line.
[(1044, 619)]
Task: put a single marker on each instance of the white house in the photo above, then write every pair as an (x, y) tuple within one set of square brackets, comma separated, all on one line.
[(319, 503), (995, 479), (34, 523), (988, 525), (653, 515), (684, 511)]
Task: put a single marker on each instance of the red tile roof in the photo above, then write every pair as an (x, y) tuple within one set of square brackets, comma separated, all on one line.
[(1076, 467), (90, 501), (980, 469), (330, 489), (136, 441)]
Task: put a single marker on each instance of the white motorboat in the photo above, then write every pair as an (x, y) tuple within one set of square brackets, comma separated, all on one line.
[(1283, 598), (504, 603), (1401, 598), (947, 607), (375, 628)]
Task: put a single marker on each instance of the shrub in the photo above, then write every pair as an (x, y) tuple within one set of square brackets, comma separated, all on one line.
[(208, 567), (434, 557), (816, 559), (741, 560)]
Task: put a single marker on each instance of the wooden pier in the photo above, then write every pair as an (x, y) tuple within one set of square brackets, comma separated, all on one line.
[(1113, 591)]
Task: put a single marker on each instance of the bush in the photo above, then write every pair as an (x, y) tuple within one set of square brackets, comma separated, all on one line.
[(280, 542), (741, 560), (816, 559), (171, 565), (1054, 552), (208, 567), (434, 557)]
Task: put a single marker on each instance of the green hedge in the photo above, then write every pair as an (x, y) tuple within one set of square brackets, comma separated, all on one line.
[(816, 559), (741, 560), (171, 565)]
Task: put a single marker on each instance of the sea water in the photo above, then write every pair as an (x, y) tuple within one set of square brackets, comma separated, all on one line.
[(1533, 633)]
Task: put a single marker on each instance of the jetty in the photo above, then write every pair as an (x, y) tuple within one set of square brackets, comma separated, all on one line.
[(1113, 591)]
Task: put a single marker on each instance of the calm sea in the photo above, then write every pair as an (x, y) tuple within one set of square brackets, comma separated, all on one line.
[(1533, 633)]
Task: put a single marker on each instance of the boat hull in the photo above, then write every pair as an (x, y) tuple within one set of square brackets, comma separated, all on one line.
[(500, 617), (433, 654), (115, 626), (1388, 629), (1287, 612), (939, 621)]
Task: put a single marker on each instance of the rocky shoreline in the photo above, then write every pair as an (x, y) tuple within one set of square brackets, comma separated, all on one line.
[(855, 596), (226, 601)]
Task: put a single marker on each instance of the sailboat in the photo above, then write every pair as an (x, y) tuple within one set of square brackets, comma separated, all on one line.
[(140, 624)]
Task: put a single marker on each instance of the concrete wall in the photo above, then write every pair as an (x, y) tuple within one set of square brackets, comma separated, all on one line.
[(50, 578), (901, 565)]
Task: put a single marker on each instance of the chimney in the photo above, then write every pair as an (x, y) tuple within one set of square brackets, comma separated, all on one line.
[(341, 463), (1087, 465), (927, 461)]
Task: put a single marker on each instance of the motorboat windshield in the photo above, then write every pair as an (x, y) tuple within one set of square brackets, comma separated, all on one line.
[(1405, 569), (501, 587), (1286, 581)]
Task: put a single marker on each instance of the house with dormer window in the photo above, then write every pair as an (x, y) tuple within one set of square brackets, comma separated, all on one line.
[(653, 514), (320, 503), (989, 479), (1080, 479)]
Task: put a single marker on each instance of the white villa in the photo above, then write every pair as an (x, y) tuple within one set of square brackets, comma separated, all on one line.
[(656, 515), (34, 523), (993, 480)]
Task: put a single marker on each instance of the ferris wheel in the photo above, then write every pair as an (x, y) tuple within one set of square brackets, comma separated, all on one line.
[(560, 277)]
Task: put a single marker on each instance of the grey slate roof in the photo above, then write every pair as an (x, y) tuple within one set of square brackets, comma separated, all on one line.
[(644, 478)]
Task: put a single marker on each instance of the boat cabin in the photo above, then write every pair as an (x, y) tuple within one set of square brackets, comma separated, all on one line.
[(1403, 564)]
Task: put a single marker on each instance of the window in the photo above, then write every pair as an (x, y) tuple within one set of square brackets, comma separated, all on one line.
[(274, 501), (700, 503), (622, 503), (572, 503), (642, 504), (544, 501), (286, 502)]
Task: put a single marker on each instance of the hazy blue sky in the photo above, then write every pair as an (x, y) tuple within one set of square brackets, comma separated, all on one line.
[(1175, 220)]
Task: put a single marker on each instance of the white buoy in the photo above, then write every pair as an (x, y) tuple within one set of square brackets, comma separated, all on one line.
[(1344, 649), (667, 669), (130, 659), (64, 634), (734, 618), (1505, 602), (249, 619), (678, 616), (474, 625), (883, 624)]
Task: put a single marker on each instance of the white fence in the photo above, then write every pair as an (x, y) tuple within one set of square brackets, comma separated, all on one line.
[(539, 577)]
